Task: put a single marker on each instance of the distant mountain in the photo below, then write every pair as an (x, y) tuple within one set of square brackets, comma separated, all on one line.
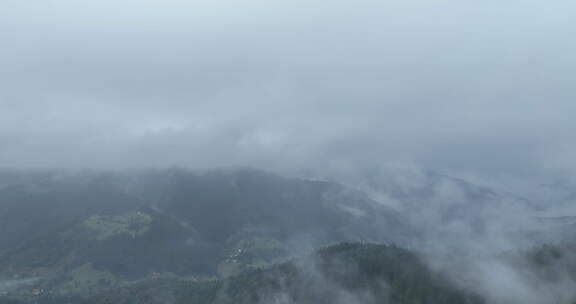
[(80, 233), (449, 212), (73, 235)]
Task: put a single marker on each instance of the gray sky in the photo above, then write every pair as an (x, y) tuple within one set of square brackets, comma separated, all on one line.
[(484, 87)]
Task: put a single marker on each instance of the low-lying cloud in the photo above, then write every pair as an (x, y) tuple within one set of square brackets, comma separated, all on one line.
[(481, 88)]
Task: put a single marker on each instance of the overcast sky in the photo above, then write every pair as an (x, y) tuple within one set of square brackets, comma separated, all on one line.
[(485, 87)]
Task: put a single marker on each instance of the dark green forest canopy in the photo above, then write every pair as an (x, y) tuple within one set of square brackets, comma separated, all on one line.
[(368, 273)]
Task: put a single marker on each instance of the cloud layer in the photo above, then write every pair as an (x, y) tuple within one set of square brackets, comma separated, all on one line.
[(485, 88)]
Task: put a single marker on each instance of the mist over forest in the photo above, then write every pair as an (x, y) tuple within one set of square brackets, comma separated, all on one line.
[(287, 152)]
